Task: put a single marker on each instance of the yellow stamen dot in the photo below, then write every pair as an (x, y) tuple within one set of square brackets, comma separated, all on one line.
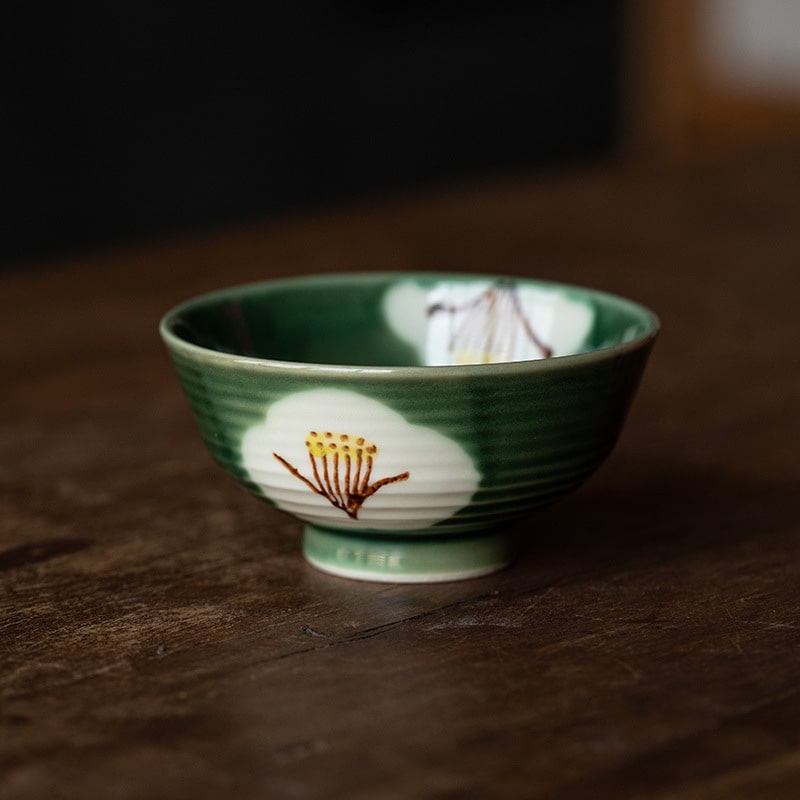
[(320, 445)]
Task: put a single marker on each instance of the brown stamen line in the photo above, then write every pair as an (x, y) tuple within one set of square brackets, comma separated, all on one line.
[(346, 489), (339, 495), (546, 351), (491, 313), (321, 489), (403, 476), (347, 462), (353, 488), (328, 488), (296, 472), (365, 479)]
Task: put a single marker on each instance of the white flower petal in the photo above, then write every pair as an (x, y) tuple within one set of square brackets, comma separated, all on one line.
[(441, 475)]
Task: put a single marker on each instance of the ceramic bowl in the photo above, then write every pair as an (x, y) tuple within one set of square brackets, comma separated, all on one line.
[(409, 419)]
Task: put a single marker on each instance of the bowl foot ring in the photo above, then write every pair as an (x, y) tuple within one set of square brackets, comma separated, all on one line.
[(394, 558)]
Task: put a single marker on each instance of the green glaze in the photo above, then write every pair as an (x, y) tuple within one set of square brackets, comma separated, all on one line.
[(532, 430), (407, 560)]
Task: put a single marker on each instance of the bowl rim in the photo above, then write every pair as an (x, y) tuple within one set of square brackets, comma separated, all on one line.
[(555, 363)]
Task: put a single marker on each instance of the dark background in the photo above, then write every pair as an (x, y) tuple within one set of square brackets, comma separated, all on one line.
[(129, 121)]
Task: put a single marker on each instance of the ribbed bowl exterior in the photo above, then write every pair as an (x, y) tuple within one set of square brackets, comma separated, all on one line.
[(533, 431)]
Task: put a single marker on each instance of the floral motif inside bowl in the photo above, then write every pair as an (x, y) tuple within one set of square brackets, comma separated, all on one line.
[(409, 419)]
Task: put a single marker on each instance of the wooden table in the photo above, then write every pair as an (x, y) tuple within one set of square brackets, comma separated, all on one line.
[(162, 636)]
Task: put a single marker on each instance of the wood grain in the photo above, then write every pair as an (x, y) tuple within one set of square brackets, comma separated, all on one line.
[(160, 635)]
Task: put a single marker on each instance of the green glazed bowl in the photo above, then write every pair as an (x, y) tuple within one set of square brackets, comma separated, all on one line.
[(409, 419)]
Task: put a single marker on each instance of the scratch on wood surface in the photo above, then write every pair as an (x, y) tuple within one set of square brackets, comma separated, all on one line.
[(309, 631), (473, 622), (331, 640)]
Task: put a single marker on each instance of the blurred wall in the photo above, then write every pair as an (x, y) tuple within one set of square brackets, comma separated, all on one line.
[(126, 121), (752, 46), (710, 78)]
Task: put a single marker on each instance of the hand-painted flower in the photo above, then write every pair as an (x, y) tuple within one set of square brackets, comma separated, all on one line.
[(458, 322), (339, 459)]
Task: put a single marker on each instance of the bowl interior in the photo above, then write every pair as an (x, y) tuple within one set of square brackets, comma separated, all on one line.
[(383, 319)]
